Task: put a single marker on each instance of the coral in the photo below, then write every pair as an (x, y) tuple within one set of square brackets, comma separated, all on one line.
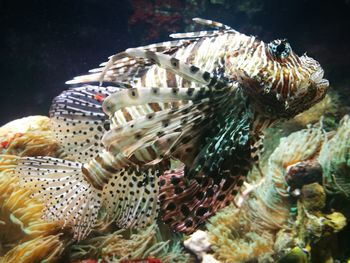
[(26, 237), (199, 244), (317, 224), (165, 14), (296, 255), (29, 136), (249, 232), (21, 216), (119, 247), (152, 19), (335, 161), (46, 249), (329, 110), (313, 197), (313, 228), (281, 216), (233, 240)]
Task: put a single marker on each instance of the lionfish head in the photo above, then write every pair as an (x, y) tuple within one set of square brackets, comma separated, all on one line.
[(281, 83)]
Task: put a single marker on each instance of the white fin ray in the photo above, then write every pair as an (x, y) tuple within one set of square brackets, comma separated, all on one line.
[(144, 95), (162, 129), (222, 29), (181, 68), (199, 34), (78, 120), (64, 190), (211, 23), (123, 68), (161, 132)]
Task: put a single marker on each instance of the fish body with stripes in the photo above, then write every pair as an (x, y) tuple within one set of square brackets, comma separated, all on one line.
[(203, 99)]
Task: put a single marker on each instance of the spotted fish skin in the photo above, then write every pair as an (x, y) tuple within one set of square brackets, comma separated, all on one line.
[(203, 99)]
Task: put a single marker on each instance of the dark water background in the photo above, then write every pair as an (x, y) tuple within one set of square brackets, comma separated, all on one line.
[(45, 43)]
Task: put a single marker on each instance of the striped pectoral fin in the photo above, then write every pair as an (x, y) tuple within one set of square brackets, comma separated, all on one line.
[(159, 133), (131, 196), (78, 120), (148, 95), (181, 68), (187, 203), (68, 197), (141, 137)]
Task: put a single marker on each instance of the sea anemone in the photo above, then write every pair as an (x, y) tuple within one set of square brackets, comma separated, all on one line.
[(249, 232), (335, 160), (120, 246), (25, 236)]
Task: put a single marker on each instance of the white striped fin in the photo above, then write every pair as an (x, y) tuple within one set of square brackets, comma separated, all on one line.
[(64, 190), (144, 95), (160, 133), (79, 122)]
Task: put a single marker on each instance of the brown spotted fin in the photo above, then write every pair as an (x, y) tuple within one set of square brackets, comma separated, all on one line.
[(187, 203)]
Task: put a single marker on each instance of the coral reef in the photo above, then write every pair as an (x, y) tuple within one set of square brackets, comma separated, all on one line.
[(199, 244), (165, 14), (251, 228), (286, 215), (335, 161), (330, 110), (44, 249), (121, 247), (25, 236)]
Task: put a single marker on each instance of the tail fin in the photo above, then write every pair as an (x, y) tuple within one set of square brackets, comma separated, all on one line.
[(65, 191)]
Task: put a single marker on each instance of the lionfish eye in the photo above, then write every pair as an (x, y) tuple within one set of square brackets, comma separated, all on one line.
[(279, 48), (269, 110)]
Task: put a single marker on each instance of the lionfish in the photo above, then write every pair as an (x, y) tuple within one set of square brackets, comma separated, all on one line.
[(203, 99)]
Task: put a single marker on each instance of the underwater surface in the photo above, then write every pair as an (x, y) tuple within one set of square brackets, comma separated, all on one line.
[(228, 141)]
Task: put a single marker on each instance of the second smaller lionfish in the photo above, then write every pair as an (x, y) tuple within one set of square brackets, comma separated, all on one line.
[(203, 99)]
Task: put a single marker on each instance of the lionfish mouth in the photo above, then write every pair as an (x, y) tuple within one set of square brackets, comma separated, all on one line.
[(320, 84), (274, 106), (318, 80)]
